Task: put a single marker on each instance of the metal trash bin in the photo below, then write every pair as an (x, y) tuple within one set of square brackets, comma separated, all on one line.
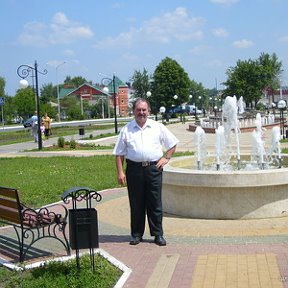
[(81, 131), (83, 228), (83, 222)]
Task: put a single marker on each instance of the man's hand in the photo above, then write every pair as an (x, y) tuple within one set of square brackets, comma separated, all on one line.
[(162, 162)]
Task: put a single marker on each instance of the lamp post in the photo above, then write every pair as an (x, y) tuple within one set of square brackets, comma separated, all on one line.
[(58, 97), (195, 114), (281, 106), (215, 110), (23, 71), (162, 110), (106, 81)]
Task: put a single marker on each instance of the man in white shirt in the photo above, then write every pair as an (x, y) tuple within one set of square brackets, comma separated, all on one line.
[(141, 143)]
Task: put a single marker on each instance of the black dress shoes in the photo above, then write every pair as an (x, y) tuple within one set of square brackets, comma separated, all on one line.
[(160, 241), (135, 240)]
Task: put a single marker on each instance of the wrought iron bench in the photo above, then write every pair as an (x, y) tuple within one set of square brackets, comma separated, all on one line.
[(31, 225)]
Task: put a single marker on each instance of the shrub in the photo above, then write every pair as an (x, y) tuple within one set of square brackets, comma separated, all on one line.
[(72, 144), (61, 142)]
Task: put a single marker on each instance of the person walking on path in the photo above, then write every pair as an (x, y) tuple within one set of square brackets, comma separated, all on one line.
[(47, 124), (34, 126), (141, 143)]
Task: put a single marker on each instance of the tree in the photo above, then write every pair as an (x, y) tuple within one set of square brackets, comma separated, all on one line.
[(48, 93), (75, 82), (2, 86), (71, 107), (24, 102), (251, 77), (271, 71), (140, 83), (10, 111), (169, 79)]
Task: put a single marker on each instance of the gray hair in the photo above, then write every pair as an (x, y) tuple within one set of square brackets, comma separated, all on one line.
[(140, 100)]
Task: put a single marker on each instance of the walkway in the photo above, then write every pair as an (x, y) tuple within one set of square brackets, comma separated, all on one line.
[(199, 253)]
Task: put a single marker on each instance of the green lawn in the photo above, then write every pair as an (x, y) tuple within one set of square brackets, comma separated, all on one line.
[(41, 181), (25, 134)]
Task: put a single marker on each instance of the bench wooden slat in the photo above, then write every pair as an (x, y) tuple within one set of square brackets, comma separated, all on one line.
[(10, 214), (9, 203), (9, 192)]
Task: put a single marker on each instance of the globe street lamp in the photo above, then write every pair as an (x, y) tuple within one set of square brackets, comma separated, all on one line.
[(23, 71), (106, 81), (58, 97), (281, 106), (162, 110), (148, 94)]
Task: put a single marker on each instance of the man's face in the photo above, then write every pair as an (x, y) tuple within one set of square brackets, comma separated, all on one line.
[(141, 113)]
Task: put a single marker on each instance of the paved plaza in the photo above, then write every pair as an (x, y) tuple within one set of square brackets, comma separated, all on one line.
[(199, 253)]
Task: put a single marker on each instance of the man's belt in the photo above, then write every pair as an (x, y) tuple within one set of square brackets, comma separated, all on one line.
[(141, 164)]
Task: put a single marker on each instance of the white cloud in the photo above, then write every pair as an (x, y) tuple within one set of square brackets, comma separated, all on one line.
[(171, 26), (242, 43), (201, 50), (220, 32), (215, 63), (69, 53), (225, 2), (61, 30), (284, 39)]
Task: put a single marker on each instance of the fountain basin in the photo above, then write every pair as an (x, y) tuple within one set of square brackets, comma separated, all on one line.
[(223, 194)]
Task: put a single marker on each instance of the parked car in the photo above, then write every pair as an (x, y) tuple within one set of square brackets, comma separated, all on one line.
[(28, 123), (190, 109)]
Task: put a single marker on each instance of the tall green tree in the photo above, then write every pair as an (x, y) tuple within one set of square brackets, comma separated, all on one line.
[(24, 102), (169, 79), (48, 93), (2, 86), (141, 83), (271, 71), (250, 78)]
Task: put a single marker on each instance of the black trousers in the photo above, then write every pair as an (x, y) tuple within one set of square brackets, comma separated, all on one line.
[(145, 196)]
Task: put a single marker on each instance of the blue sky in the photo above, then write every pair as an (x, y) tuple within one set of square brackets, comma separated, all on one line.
[(205, 37)]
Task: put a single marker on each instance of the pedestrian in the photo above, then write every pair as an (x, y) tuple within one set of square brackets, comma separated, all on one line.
[(42, 129), (34, 126), (141, 143), (47, 124)]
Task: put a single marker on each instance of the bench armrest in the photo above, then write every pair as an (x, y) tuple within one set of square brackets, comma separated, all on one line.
[(42, 217)]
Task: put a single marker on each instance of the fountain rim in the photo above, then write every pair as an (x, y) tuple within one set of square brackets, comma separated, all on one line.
[(170, 168)]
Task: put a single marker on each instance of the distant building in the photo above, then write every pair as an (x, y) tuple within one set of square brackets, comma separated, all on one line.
[(273, 96), (94, 92)]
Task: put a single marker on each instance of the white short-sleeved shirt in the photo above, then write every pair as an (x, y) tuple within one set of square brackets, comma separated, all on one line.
[(144, 144)]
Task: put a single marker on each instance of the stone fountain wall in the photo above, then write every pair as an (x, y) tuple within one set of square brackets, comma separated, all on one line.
[(224, 195)]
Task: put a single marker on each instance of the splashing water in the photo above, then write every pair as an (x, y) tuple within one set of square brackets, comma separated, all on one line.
[(223, 143), (220, 145), (231, 122), (258, 150), (275, 145), (200, 142)]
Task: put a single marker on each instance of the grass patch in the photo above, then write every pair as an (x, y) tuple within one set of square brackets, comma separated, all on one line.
[(64, 275), (24, 135), (42, 180)]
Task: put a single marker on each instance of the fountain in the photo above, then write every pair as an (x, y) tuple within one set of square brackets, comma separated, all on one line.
[(256, 188)]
